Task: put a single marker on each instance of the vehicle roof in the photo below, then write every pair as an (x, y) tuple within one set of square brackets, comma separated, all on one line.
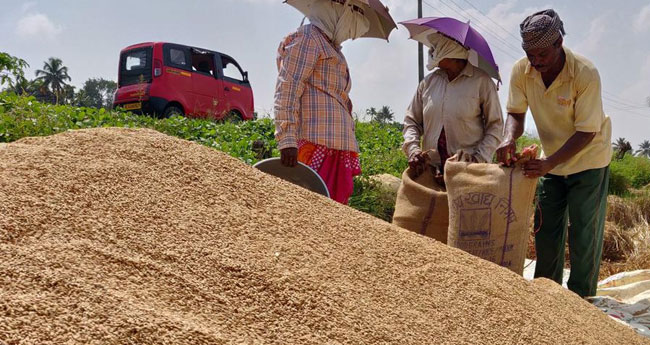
[(150, 44)]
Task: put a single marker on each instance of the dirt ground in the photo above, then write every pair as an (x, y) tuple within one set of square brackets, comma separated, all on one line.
[(122, 236)]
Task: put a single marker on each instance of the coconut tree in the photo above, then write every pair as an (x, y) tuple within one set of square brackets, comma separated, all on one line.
[(644, 149), (622, 146), (384, 115), (54, 76)]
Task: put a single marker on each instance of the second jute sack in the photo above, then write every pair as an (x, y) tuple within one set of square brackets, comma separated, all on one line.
[(490, 209), (422, 206)]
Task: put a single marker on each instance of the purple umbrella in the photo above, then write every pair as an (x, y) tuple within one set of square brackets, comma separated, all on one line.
[(421, 30)]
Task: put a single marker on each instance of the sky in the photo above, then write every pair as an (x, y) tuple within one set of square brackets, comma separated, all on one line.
[(89, 34)]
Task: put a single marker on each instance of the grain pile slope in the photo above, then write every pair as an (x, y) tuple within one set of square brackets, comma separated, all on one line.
[(115, 236)]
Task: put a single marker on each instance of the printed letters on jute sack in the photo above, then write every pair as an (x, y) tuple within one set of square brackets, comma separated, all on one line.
[(422, 205), (490, 208)]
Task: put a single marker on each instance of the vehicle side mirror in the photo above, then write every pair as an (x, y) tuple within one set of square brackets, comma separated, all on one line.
[(246, 76)]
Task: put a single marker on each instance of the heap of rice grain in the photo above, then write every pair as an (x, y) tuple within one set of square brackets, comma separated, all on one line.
[(121, 236)]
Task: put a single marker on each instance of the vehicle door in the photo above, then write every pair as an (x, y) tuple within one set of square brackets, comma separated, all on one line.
[(176, 80), (206, 86), (238, 94)]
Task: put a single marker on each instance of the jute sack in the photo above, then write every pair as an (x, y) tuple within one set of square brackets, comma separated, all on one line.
[(421, 205), (490, 210)]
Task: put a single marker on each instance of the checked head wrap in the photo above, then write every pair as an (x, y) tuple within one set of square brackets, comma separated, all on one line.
[(541, 29)]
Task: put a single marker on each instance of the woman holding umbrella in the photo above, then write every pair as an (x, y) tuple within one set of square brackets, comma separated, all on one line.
[(456, 107), (313, 111)]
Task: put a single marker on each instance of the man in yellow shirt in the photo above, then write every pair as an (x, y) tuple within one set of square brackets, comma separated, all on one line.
[(563, 92)]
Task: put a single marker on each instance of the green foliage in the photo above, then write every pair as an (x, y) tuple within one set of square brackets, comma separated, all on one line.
[(53, 77), (380, 152), (619, 184), (370, 197), (51, 86), (96, 92), (527, 140), (629, 172), (380, 147), (644, 149), (24, 117), (11, 69)]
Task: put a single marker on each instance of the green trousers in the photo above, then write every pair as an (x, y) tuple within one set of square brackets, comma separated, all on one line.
[(582, 199)]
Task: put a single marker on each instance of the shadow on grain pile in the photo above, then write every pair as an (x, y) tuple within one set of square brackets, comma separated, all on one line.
[(117, 236)]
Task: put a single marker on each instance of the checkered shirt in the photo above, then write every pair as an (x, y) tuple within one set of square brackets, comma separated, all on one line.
[(311, 94)]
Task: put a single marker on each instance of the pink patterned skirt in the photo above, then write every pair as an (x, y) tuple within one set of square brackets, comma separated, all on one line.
[(335, 167)]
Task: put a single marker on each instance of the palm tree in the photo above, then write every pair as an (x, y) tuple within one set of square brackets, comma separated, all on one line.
[(622, 146), (385, 115), (644, 149), (54, 76), (40, 92)]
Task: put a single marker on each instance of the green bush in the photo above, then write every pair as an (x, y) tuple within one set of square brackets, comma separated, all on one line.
[(370, 197), (380, 148), (619, 184), (629, 172)]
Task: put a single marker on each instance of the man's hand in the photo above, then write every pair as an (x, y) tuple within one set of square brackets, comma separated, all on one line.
[(507, 153), (537, 167), (289, 156), (417, 163)]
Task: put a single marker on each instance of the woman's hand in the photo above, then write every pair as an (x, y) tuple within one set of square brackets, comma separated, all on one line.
[(507, 153), (417, 163), (463, 156), (289, 156)]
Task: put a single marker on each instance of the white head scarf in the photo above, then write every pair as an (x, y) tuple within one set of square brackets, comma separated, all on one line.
[(444, 48), (339, 22)]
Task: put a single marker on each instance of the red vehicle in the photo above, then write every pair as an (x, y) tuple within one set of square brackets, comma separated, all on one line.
[(164, 79)]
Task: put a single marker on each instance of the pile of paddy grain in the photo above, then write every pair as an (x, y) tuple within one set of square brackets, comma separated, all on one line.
[(121, 236)]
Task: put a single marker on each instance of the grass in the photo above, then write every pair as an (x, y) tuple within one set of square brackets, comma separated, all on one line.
[(371, 197)]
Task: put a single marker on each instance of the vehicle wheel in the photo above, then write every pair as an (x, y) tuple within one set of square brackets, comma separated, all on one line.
[(171, 111), (233, 116)]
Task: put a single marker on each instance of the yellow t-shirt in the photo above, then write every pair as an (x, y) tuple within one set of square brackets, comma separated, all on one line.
[(572, 103)]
